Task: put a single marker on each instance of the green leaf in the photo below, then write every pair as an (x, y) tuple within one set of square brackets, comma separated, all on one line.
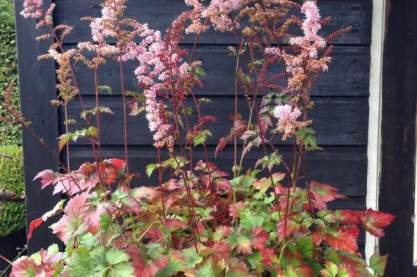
[(290, 273), (174, 266), (187, 110), (207, 269), (306, 246), (332, 255), (204, 100), (154, 250), (191, 258), (116, 256), (378, 264), (90, 132), (269, 161), (308, 137), (53, 249), (70, 121), (201, 137), (243, 182), (88, 240), (80, 263), (237, 274), (330, 270), (150, 168), (63, 140), (255, 260), (244, 243), (105, 89), (91, 112), (121, 270), (249, 220), (175, 163), (199, 72)]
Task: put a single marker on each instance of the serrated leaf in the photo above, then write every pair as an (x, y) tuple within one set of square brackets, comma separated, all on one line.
[(191, 258), (330, 270), (201, 137), (93, 111), (305, 246), (207, 269), (174, 266), (90, 132), (249, 220), (378, 264), (115, 256)]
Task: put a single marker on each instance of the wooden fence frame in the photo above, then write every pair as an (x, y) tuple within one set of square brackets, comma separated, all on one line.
[(399, 92), (35, 97)]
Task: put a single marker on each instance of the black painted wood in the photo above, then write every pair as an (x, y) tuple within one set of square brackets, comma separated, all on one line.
[(160, 13), (348, 74), (338, 121), (324, 166), (397, 190), (37, 88)]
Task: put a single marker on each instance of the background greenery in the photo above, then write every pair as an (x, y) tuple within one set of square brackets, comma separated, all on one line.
[(9, 133), (12, 215)]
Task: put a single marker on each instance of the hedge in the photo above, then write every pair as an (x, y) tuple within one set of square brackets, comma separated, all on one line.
[(9, 133), (12, 215)]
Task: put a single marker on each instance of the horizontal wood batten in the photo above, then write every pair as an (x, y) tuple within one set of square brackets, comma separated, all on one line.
[(338, 121), (337, 166), (348, 74), (160, 13)]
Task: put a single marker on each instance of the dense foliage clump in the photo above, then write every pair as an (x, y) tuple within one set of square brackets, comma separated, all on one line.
[(266, 218), (12, 214)]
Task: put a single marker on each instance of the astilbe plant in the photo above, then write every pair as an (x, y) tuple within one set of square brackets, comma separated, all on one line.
[(266, 219)]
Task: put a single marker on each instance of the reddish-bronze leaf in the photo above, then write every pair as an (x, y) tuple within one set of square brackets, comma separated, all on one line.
[(375, 221), (322, 194), (259, 238), (344, 238)]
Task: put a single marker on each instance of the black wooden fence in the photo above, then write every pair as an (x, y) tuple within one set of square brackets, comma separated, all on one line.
[(340, 115)]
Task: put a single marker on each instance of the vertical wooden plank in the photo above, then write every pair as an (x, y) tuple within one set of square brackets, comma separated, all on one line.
[(397, 186), (37, 88), (375, 116)]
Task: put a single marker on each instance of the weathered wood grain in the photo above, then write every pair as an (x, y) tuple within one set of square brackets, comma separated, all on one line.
[(37, 88), (338, 121), (348, 74), (160, 13), (338, 166), (397, 193)]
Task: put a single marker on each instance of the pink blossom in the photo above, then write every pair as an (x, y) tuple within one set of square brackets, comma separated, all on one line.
[(32, 9), (219, 13), (274, 51), (311, 41), (307, 62), (160, 69), (105, 26), (287, 119)]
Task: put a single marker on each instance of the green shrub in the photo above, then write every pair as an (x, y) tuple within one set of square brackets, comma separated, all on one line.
[(12, 215), (7, 12), (9, 133)]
